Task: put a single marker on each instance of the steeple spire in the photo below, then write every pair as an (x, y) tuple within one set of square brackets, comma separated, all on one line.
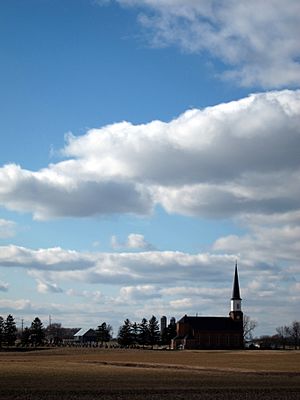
[(236, 302), (236, 286)]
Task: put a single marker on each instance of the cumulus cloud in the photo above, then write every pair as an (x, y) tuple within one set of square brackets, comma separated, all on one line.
[(134, 241), (257, 41), (56, 192), (49, 265), (139, 293), (160, 282), (48, 287), (43, 259), (7, 305), (155, 273), (230, 159), (273, 240), (237, 160)]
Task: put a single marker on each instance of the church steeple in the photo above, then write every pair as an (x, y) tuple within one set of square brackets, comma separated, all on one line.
[(236, 301), (236, 286)]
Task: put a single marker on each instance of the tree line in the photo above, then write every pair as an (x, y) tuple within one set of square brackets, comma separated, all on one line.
[(286, 336), (34, 335), (145, 333), (8, 331)]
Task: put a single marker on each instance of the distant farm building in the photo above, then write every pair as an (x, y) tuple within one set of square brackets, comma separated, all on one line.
[(85, 336), (213, 332)]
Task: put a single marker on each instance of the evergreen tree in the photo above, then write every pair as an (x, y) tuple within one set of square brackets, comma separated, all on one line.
[(143, 334), (104, 332), (168, 334), (135, 333), (154, 333), (164, 336), (37, 332), (2, 326), (25, 337), (10, 330), (125, 334)]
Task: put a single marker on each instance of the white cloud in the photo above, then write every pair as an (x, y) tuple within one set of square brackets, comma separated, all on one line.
[(54, 192), (51, 265), (239, 160), (44, 259), (48, 287), (137, 241), (134, 241), (257, 40), (7, 305), (182, 304), (230, 159), (274, 242), (7, 229), (145, 283), (139, 293)]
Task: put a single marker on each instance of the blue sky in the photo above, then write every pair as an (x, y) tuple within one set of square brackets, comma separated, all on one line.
[(145, 146)]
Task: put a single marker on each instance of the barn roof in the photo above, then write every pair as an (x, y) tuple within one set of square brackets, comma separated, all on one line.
[(85, 331)]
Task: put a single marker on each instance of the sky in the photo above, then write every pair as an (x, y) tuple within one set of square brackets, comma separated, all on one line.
[(146, 145)]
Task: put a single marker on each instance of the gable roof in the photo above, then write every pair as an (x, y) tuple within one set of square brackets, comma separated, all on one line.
[(85, 332), (211, 323)]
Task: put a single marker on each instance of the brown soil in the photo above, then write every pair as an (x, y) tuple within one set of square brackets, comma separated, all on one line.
[(140, 375)]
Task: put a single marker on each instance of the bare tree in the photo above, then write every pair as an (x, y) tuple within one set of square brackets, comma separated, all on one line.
[(283, 333), (248, 326), (295, 333), (2, 327)]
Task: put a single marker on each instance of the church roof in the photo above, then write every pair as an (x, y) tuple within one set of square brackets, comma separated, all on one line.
[(236, 286), (210, 323)]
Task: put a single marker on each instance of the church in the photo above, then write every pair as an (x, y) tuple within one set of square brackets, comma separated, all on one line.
[(213, 332)]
